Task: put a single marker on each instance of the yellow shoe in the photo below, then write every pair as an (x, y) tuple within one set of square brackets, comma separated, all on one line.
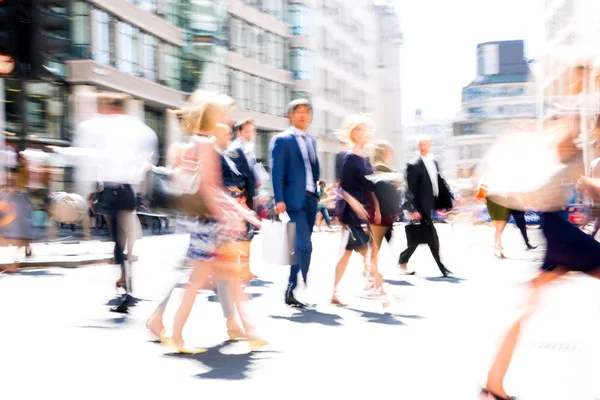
[(257, 343), (185, 350)]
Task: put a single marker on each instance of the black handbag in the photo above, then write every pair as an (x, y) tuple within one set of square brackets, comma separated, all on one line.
[(417, 233), (357, 237)]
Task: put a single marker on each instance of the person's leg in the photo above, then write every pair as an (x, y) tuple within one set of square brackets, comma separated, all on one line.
[(303, 230), (340, 269), (326, 217), (119, 257), (434, 246), (310, 210), (405, 257), (379, 232), (198, 279), (226, 296), (519, 217), (318, 221), (501, 363), (499, 229)]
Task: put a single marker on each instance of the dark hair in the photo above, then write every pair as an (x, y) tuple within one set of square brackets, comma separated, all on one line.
[(294, 104), (241, 124)]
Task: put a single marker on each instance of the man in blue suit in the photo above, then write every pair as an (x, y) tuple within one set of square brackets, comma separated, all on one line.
[(295, 171)]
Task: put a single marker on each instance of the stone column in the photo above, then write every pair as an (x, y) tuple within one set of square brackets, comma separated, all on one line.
[(135, 108)]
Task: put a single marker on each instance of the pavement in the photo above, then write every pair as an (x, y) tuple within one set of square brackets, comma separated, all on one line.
[(435, 340)]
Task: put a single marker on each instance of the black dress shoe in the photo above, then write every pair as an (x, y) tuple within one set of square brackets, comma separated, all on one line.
[(530, 247), (291, 301), (122, 306), (446, 272)]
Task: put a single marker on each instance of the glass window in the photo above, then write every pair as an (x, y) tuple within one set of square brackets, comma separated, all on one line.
[(256, 92), (239, 88), (125, 47), (101, 37), (235, 33), (170, 66), (148, 59), (272, 99), (44, 110), (299, 19), (80, 29), (146, 5)]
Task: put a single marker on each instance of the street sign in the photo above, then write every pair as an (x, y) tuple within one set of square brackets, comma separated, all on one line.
[(7, 64)]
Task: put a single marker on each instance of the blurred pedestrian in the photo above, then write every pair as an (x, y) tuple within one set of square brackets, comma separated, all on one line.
[(210, 234), (118, 148), (295, 170), (361, 206), (427, 192)]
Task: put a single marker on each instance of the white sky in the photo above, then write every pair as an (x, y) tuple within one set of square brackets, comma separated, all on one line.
[(438, 56)]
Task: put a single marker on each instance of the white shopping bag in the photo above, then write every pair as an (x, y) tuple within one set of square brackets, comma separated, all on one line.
[(278, 242)]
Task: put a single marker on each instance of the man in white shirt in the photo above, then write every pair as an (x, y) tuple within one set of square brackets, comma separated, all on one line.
[(114, 151), (427, 192)]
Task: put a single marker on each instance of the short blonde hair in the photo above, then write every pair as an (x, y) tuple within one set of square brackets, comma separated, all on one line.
[(380, 149), (350, 124), (198, 115)]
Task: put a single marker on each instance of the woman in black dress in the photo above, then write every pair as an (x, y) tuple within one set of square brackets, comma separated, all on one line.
[(359, 194), (568, 249)]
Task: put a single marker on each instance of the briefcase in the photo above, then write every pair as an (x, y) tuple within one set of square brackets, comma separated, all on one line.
[(417, 233)]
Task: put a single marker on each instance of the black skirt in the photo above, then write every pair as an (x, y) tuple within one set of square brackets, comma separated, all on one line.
[(568, 246)]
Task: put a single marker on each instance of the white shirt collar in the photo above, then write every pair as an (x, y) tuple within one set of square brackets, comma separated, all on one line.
[(429, 157), (299, 132), (247, 147)]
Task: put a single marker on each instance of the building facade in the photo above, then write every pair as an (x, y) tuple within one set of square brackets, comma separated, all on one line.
[(500, 99), (137, 47), (263, 53), (388, 112), (440, 132), (569, 70)]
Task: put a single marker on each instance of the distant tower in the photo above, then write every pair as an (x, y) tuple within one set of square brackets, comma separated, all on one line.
[(419, 121)]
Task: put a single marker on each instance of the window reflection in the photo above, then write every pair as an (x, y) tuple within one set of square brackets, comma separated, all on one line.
[(101, 37)]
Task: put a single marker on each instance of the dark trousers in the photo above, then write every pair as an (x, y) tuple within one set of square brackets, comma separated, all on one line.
[(111, 201), (304, 219), (325, 213), (434, 245), (519, 217)]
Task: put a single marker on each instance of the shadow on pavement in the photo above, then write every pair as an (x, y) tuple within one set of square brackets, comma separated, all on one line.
[(131, 301), (222, 366), (398, 283), (260, 283), (446, 279), (312, 317), (109, 323), (380, 318), (39, 272), (213, 298)]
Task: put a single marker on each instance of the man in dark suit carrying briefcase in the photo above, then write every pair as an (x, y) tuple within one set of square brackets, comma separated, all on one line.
[(427, 191)]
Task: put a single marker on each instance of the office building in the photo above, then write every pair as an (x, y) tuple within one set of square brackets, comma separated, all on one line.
[(388, 112), (500, 99)]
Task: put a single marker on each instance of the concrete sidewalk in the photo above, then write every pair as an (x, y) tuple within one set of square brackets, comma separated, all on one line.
[(65, 254)]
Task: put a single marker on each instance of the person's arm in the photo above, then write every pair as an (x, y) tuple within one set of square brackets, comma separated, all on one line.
[(278, 171), (413, 187), (356, 206), (218, 202)]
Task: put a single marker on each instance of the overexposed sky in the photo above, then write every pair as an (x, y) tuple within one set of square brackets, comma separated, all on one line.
[(438, 56)]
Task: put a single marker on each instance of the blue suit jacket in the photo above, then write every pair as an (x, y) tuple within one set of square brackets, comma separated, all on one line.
[(288, 170)]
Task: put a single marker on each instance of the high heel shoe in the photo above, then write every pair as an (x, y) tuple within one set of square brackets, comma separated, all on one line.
[(498, 253), (236, 335), (487, 395)]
